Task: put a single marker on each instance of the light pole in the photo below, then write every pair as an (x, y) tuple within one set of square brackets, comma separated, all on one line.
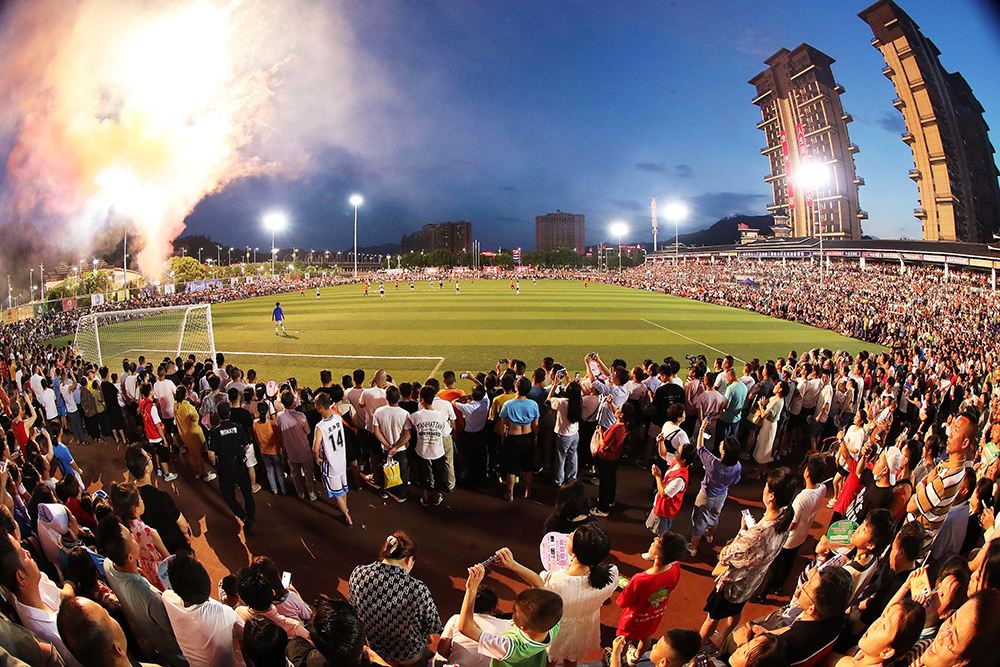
[(199, 254), (230, 256), (218, 257), (274, 221), (812, 176), (676, 212), (356, 202), (619, 229), (31, 283)]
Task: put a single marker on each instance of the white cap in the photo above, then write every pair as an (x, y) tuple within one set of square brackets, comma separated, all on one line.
[(894, 461)]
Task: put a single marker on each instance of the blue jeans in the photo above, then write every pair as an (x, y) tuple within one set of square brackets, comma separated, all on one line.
[(706, 512), (566, 457), (275, 472)]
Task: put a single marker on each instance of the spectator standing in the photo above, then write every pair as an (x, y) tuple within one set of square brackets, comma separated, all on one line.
[(269, 437), (159, 509), (330, 450), (227, 449), (295, 434), (519, 418), (569, 412), (191, 434), (609, 453)]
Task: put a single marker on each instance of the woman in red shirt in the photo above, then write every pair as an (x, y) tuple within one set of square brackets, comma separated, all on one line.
[(608, 454)]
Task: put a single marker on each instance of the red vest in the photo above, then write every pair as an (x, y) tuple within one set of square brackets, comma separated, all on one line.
[(669, 507), (146, 410)]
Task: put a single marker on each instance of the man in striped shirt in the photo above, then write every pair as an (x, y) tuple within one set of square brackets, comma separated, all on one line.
[(934, 495)]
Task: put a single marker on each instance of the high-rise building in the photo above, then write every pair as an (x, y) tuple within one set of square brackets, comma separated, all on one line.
[(954, 168), (560, 230), (815, 189), (453, 236)]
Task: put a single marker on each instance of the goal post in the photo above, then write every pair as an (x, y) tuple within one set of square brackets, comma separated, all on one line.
[(107, 337)]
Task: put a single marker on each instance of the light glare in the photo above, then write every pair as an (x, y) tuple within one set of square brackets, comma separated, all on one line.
[(275, 220), (675, 211), (356, 200)]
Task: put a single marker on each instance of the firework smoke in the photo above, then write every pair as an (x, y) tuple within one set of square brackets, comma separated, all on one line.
[(134, 110)]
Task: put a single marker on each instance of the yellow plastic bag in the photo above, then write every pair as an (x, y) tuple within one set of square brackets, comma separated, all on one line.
[(391, 472)]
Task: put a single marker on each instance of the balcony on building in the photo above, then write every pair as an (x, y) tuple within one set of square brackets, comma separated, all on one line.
[(847, 118), (766, 121), (839, 89), (770, 149), (898, 103), (915, 174), (760, 97), (770, 178), (862, 215), (858, 181), (919, 213), (907, 138), (888, 72), (876, 43), (853, 148), (775, 207)]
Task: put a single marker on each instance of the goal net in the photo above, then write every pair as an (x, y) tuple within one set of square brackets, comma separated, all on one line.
[(106, 338)]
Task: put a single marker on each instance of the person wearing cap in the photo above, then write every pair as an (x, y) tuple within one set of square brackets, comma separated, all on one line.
[(877, 481)]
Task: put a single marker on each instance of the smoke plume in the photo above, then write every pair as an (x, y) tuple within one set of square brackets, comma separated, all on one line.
[(134, 110)]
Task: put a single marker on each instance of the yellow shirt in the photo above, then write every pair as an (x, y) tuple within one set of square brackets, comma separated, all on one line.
[(186, 418), (495, 410)]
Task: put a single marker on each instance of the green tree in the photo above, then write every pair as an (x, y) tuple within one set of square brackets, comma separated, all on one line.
[(535, 258), (185, 269), (441, 257), (467, 258), (504, 260), (564, 257)]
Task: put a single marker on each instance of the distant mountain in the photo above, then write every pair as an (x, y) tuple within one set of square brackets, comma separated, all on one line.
[(383, 249), (725, 231)]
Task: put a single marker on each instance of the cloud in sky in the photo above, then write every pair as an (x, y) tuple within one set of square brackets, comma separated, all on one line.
[(628, 204), (675, 170)]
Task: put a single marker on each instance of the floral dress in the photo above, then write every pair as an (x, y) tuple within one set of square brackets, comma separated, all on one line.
[(149, 557), (748, 557)]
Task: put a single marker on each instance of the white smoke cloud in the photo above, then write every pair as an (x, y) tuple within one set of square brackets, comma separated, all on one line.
[(135, 110)]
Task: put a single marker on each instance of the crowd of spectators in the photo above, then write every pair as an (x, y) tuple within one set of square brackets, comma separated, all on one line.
[(898, 452)]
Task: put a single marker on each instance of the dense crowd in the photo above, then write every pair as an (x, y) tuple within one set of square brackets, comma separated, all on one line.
[(895, 453)]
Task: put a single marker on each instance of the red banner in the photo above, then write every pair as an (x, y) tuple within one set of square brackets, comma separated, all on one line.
[(788, 171), (69, 303)]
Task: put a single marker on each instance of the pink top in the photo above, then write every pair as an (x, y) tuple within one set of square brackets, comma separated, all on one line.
[(149, 557)]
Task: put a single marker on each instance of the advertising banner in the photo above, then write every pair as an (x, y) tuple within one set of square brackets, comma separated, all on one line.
[(69, 303), (96, 299)]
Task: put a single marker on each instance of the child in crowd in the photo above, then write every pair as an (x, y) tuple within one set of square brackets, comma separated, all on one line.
[(644, 599), (670, 487), (258, 599), (287, 600), (536, 623), (128, 505), (676, 648), (457, 649)]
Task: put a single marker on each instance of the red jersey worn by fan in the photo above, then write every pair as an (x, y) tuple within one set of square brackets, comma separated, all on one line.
[(644, 601)]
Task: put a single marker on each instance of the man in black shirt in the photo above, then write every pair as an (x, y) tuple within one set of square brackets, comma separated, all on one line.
[(227, 450), (161, 511)]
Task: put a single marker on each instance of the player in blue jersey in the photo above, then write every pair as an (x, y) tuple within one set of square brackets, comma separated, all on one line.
[(279, 318)]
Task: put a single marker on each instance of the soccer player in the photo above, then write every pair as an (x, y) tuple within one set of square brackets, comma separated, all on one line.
[(279, 318), (517, 286), (330, 451), (456, 287), (317, 292), (381, 290), (397, 284), (411, 285), (366, 288), (440, 283)]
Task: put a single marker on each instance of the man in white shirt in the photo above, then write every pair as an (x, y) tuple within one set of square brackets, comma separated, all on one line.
[(444, 406), (475, 408), (35, 382), (36, 597), (429, 425), (163, 393), (369, 401), (389, 423), (806, 505), (206, 630)]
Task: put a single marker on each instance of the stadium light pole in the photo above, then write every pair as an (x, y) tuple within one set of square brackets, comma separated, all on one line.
[(356, 202), (812, 176), (619, 229), (676, 212), (275, 220)]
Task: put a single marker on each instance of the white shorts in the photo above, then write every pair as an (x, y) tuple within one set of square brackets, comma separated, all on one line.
[(336, 482)]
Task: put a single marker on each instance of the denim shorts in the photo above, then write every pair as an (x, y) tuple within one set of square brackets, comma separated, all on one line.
[(705, 514)]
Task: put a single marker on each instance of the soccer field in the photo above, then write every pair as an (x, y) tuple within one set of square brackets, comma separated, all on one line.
[(416, 334)]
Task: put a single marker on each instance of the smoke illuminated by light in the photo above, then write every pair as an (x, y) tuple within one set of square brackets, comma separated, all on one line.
[(127, 112)]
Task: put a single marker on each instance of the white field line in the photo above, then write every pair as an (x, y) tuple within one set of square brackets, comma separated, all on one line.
[(693, 340), (433, 372), (440, 360)]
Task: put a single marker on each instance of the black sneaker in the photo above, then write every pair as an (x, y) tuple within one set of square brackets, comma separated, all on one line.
[(423, 501), (384, 494), (438, 499)]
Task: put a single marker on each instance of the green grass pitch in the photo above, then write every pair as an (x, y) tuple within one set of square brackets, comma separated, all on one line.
[(470, 331)]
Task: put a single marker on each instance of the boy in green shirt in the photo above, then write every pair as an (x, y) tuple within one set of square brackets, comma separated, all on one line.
[(536, 623)]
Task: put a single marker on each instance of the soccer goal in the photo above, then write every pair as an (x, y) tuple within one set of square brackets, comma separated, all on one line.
[(106, 338)]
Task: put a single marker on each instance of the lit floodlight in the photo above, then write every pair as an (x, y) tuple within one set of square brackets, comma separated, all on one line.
[(356, 200), (812, 175), (675, 211), (275, 220), (619, 229)]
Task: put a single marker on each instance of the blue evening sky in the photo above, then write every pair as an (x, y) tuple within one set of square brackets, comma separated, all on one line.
[(501, 111)]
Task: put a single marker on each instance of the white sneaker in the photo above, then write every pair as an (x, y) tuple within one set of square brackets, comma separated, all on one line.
[(210, 476), (169, 478), (692, 552)]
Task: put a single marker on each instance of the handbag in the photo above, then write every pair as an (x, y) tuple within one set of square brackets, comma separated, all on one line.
[(391, 471), (595, 442)]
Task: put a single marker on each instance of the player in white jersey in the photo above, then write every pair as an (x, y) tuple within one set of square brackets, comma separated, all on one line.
[(330, 452), (411, 285), (317, 293), (457, 287), (381, 290)]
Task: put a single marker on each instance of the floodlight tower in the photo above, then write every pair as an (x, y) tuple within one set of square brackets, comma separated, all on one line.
[(356, 202), (652, 206), (274, 221)]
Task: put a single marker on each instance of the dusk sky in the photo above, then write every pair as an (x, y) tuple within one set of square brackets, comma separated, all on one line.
[(495, 112)]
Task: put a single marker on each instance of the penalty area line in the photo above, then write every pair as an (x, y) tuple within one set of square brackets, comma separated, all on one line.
[(440, 360), (693, 340)]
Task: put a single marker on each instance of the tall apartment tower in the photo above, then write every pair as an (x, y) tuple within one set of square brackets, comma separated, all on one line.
[(953, 161), (810, 154), (453, 236), (560, 230)]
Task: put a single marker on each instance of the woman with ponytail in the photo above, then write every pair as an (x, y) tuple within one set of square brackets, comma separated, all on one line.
[(584, 586), (396, 608), (743, 563)]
